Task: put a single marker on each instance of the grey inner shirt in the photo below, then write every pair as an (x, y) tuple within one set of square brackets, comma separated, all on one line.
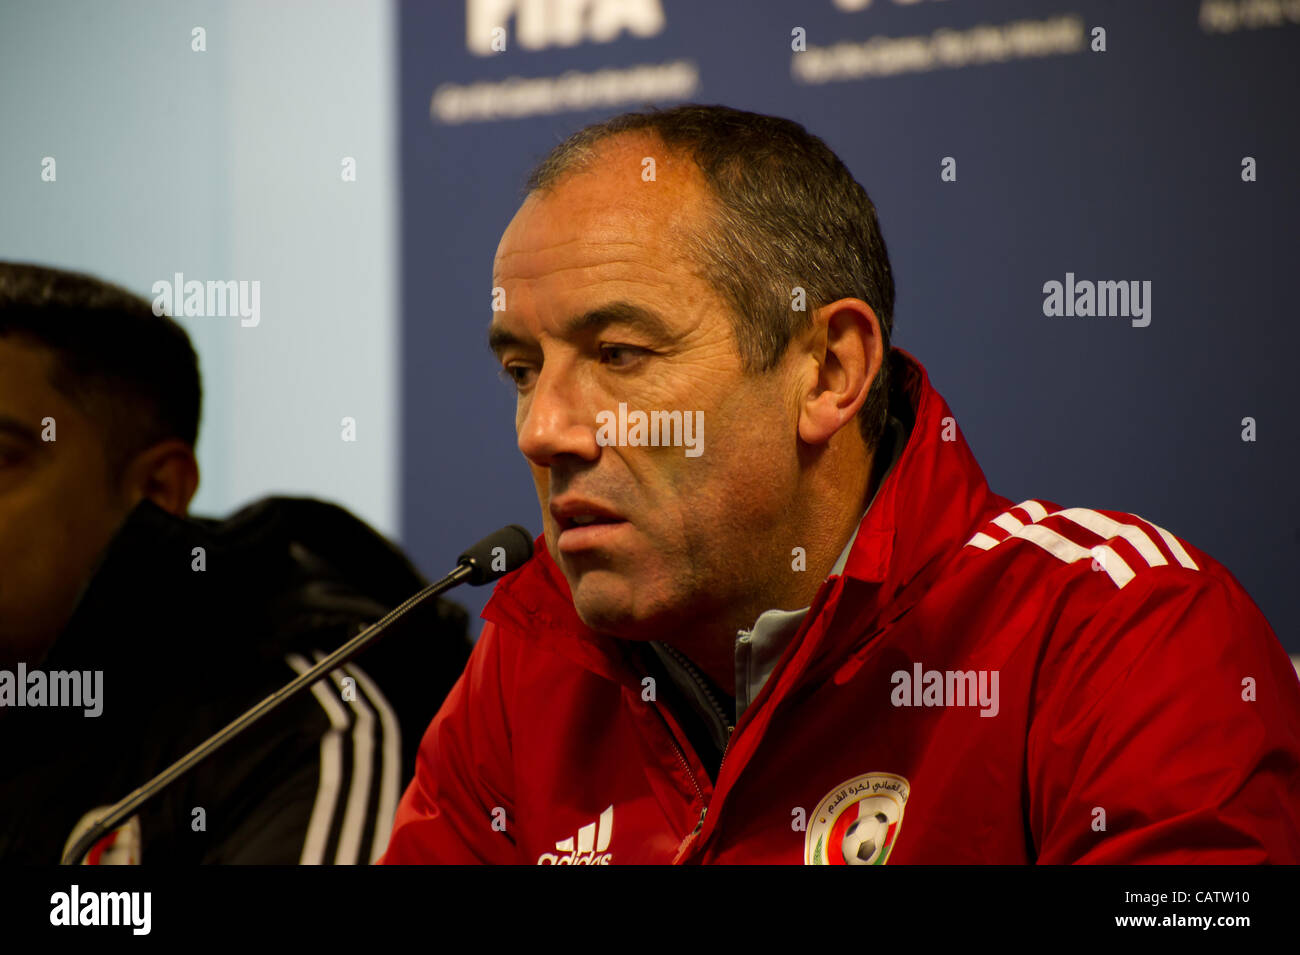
[(759, 649)]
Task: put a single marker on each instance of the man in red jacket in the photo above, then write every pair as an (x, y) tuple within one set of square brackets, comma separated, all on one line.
[(818, 637)]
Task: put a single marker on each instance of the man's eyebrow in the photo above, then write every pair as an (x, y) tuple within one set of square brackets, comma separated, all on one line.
[(16, 428), (615, 313)]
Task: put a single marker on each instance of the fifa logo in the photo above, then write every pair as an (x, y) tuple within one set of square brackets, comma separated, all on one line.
[(543, 23)]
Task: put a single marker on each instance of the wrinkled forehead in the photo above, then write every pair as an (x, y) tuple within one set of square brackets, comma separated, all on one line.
[(632, 202)]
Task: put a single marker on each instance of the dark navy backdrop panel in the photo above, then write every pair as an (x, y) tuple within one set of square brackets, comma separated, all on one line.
[(1122, 165)]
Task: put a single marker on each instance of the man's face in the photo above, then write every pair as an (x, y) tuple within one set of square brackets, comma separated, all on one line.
[(603, 308), (58, 508)]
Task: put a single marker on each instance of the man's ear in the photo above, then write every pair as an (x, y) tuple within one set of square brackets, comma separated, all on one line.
[(165, 473), (847, 352)]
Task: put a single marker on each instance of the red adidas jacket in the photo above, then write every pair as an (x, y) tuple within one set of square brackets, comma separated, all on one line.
[(1124, 701)]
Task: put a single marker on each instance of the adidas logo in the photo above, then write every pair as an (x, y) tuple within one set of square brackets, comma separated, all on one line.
[(588, 849)]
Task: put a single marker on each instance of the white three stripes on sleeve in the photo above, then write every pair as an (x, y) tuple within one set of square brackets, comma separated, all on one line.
[(363, 754), (356, 808), (390, 782), (1068, 551)]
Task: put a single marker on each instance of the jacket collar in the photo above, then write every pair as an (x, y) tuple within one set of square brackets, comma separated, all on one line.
[(132, 605), (930, 504), (275, 567)]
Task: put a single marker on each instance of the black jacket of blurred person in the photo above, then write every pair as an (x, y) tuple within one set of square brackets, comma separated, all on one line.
[(190, 621)]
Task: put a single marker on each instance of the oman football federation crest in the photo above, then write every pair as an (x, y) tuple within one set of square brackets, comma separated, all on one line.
[(858, 822)]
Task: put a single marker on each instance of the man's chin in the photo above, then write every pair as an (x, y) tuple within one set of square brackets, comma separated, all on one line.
[(613, 613)]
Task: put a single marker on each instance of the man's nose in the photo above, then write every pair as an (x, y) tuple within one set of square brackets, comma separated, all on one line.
[(556, 420)]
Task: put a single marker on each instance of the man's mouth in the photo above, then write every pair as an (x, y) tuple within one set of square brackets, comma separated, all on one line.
[(584, 520), (585, 524)]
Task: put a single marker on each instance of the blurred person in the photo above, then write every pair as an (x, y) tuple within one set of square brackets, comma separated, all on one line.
[(131, 631)]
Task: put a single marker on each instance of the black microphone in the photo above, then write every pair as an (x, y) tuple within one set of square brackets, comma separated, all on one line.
[(497, 554), (490, 559)]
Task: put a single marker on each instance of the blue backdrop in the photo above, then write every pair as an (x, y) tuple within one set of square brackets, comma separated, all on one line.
[(1117, 165)]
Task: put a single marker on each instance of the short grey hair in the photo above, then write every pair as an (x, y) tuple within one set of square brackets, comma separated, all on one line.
[(788, 213)]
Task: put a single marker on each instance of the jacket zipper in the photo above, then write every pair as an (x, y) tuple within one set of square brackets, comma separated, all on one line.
[(694, 782), (725, 750), (717, 709), (814, 608), (708, 694)]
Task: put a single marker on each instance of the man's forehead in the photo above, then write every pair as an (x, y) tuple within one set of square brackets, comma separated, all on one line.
[(27, 391), (606, 210), (25, 364)]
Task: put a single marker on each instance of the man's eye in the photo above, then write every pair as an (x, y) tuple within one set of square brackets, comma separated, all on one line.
[(516, 375), (620, 355)]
